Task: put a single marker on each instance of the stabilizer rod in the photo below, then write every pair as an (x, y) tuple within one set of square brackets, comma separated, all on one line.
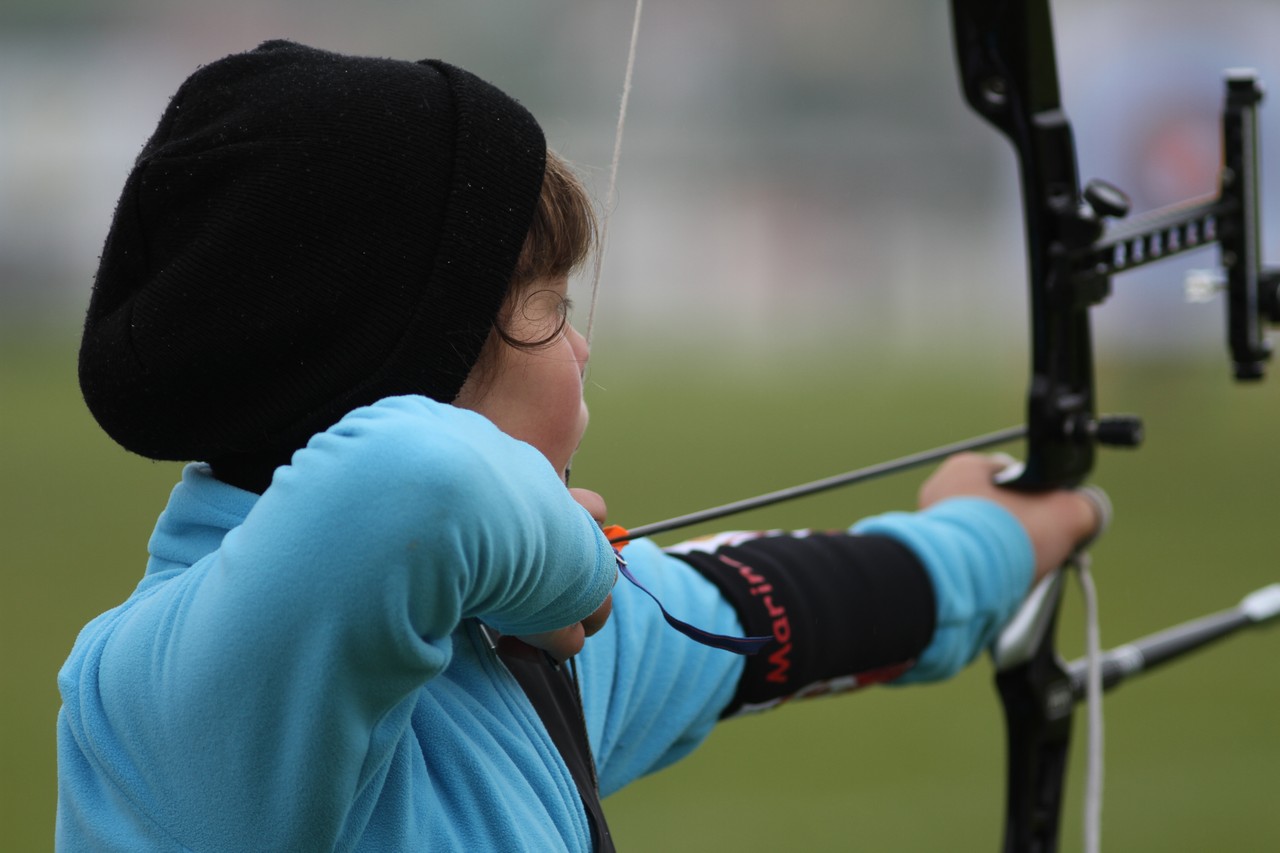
[(1145, 654)]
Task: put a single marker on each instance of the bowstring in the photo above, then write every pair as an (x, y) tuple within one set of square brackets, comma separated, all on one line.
[(1093, 706), (610, 200)]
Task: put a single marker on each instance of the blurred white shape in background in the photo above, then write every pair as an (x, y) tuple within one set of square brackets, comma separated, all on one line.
[(792, 172)]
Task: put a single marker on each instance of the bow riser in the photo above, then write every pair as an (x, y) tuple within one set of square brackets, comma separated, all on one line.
[(1009, 74)]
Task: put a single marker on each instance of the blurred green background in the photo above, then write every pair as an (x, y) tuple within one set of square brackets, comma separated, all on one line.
[(815, 263), (1190, 750)]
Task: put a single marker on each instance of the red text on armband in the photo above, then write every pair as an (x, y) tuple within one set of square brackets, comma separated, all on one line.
[(780, 660)]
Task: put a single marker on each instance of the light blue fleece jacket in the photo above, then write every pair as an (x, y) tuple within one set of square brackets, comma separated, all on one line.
[(303, 670)]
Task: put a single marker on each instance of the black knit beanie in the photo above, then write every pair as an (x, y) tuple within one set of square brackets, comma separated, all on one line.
[(305, 233)]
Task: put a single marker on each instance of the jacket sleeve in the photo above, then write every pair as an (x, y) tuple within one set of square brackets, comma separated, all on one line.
[(980, 562), (650, 694), (266, 684)]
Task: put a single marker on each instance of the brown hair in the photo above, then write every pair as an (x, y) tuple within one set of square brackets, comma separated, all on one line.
[(560, 239), (563, 230)]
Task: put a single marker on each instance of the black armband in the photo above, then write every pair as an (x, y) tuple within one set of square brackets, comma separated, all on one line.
[(844, 611)]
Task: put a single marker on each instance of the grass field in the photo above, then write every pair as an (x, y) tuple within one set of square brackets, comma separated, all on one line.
[(1191, 750)]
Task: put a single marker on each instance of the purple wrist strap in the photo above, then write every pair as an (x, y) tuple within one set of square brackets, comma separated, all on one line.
[(737, 645)]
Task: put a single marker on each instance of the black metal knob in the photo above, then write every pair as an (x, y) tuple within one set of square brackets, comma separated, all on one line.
[(1119, 430), (1107, 199)]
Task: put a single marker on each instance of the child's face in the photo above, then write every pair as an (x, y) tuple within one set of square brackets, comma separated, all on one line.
[(535, 393)]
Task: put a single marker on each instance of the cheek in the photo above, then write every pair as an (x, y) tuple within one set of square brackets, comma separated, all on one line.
[(564, 396), (535, 397), (564, 406)]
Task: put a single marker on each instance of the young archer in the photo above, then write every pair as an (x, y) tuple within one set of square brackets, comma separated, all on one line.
[(337, 286)]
